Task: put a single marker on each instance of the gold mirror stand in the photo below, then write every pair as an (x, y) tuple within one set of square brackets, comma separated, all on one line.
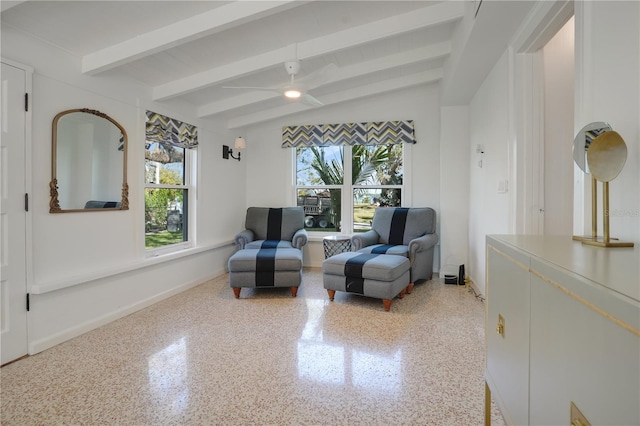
[(605, 241), (594, 214), (606, 157)]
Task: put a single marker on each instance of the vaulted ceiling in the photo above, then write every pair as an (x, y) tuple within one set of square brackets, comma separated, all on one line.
[(194, 50)]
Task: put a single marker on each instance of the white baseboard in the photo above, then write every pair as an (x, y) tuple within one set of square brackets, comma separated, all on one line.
[(51, 341)]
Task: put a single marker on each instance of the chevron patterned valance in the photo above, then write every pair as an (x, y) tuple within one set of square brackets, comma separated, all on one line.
[(169, 131), (370, 133)]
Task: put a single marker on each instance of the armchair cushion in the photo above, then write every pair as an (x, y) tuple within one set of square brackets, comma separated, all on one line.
[(258, 244), (401, 250)]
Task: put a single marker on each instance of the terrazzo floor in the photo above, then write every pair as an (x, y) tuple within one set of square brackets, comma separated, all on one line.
[(205, 358)]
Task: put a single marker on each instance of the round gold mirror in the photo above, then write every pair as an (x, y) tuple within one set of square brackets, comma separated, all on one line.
[(606, 156), (583, 141)]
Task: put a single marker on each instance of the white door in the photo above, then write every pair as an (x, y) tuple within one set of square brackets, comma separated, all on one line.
[(13, 216)]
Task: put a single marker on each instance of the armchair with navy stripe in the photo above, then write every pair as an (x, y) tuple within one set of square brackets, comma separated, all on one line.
[(276, 227), (270, 250), (409, 232)]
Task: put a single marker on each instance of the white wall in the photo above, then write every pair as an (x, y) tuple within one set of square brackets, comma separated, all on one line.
[(489, 126), (90, 268), (607, 75), (269, 167), (454, 189), (608, 89), (559, 77)]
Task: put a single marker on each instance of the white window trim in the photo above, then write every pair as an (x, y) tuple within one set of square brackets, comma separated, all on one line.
[(347, 193), (190, 177)]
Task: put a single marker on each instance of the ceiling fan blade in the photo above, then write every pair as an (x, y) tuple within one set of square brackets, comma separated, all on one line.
[(319, 77), (309, 100)]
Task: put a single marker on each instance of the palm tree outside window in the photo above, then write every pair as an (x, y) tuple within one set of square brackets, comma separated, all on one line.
[(376, 181)]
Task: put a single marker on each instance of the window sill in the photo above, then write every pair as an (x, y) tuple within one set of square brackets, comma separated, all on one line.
[(317, 237), (150, 261)]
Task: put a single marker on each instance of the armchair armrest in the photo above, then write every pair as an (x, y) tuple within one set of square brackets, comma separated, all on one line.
[(423, 243), (243, 238), (364, 239), (299, 238)]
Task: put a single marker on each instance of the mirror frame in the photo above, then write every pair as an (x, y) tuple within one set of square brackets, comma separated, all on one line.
[(580, 146), (54, 204)]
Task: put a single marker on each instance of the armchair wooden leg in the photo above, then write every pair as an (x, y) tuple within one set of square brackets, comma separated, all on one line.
[(294, 291), (387, 304), (402, 292), (236, 292), (331, 293), (410, 288)]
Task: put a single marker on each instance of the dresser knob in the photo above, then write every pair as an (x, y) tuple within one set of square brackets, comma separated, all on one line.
[(500, 326)]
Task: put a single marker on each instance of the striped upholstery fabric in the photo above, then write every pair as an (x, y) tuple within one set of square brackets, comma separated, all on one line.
[(265, 267), (399, 225), (270, 249), (401, 250), (372, 275), (282, 226), (408, 232)]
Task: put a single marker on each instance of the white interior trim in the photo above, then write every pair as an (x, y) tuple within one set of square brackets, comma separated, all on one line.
[(71, 281)]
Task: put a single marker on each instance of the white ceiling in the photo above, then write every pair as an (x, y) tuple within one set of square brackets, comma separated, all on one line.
[(191, 49)]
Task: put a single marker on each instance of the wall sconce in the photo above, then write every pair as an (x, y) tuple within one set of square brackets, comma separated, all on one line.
[(239, 144)]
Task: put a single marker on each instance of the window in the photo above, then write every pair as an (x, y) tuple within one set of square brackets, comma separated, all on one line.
[(319, 180), (170, 156), (321, 189), (326, 155), (377, 181)]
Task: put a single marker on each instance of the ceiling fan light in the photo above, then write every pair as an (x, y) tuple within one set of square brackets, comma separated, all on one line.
[(293, 93)]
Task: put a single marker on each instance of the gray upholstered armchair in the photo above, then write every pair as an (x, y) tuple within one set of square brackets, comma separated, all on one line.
[(270, 252), (406, 232), (281, 227)]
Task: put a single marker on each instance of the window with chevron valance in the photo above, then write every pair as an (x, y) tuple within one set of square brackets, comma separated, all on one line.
[(170, 132), (349, 134)]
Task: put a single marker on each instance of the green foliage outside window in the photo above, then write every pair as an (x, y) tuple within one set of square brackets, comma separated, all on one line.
[(371, 165), (158, 201)]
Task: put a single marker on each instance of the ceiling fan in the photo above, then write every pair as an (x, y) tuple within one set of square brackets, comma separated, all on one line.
[(297, 89)]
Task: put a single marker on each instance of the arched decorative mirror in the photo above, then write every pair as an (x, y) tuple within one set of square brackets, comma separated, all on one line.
[(88, 163)]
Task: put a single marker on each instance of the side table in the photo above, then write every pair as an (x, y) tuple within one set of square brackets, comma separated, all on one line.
[(336, 244)]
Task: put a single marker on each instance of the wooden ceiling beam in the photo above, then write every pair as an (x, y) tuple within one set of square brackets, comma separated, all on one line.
[(181, 32), (395, 25)]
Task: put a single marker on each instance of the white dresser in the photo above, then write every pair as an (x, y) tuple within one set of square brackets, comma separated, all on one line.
[(570, 332)]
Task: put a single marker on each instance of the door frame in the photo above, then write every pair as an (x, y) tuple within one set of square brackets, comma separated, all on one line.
[(28, 173), (526, 157)]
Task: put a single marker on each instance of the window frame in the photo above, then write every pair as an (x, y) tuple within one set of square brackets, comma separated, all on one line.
[(189, 177), (348, 187)]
